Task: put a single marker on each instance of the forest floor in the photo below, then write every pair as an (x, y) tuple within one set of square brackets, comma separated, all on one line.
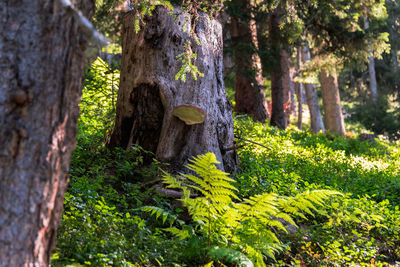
[(105, 224)]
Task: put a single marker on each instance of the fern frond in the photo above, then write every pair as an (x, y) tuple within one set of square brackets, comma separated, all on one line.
[(306, 202), (230, 256), (181, 234), (159, 212), (286, 217), (172, 182), (248, 227), (210, 176), (259, 206)]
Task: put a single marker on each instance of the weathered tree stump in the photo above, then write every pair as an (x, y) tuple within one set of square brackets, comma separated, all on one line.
[(149, 92)]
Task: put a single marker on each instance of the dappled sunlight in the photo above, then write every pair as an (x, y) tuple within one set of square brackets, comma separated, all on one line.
[(367, 172), (367, 165)]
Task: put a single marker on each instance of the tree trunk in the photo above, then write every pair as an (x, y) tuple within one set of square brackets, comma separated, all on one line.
[(372, 79), (317, 124), (277, 110), (148, 91), (249, 92), (371, 69), (394, 60), (299, 90), (289, 104), (41, 69), (316, 121), (395, 63), (229, 64), (395, 70), (330, 96)]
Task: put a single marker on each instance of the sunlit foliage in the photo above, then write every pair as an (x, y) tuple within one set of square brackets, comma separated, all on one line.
[(99, 97)]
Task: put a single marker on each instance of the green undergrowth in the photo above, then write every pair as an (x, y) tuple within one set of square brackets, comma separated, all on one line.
[(114, 217), (106, 222), (296, 159), (362, 228)]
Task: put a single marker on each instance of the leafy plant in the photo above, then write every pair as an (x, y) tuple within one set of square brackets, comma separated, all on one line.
[(247, 226), (358, 228), (97, 108), (187, 65)]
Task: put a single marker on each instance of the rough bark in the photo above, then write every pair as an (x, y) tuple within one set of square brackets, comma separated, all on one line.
[(395, 64), (316, 121), (334, 121), (229, 64), (299, 86), (277, 110), (249, 92), (394, 60), (372, 79), (317, 124), (149, 92), (289, 104), (371, 69), (41, 69)]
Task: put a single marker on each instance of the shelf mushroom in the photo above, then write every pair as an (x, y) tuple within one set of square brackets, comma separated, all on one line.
[(190, 114)]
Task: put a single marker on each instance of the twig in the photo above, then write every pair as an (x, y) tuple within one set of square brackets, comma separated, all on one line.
[(246, 140)]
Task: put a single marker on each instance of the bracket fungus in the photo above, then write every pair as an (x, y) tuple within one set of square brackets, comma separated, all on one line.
[(190, 114)]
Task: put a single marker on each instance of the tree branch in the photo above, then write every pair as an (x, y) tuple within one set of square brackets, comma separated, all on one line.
[(92, 34)]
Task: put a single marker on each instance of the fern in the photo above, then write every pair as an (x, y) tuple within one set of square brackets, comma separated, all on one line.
[(161, 213), (158, 212), (181, 234), (305, 202), (230, 256), (234, 226)]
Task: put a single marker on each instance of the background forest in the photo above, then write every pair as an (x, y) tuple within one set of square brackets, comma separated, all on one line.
[(315, 90)]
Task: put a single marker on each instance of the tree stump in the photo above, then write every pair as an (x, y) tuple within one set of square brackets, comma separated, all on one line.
[(149, 92)]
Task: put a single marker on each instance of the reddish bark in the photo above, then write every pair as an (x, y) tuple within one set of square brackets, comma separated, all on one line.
[(277, 110), (249, 96)]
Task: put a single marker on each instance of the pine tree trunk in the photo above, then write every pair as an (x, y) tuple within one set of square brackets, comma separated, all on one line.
[(372, 79), (249, 92), (277, 110), (395, 63), (371, 69), (395, 70), (330, 96), (316, 121), (229, 64), (289, 105), (149, 92), (41, 69), (317, 124), (394, 60), (299, 89)]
